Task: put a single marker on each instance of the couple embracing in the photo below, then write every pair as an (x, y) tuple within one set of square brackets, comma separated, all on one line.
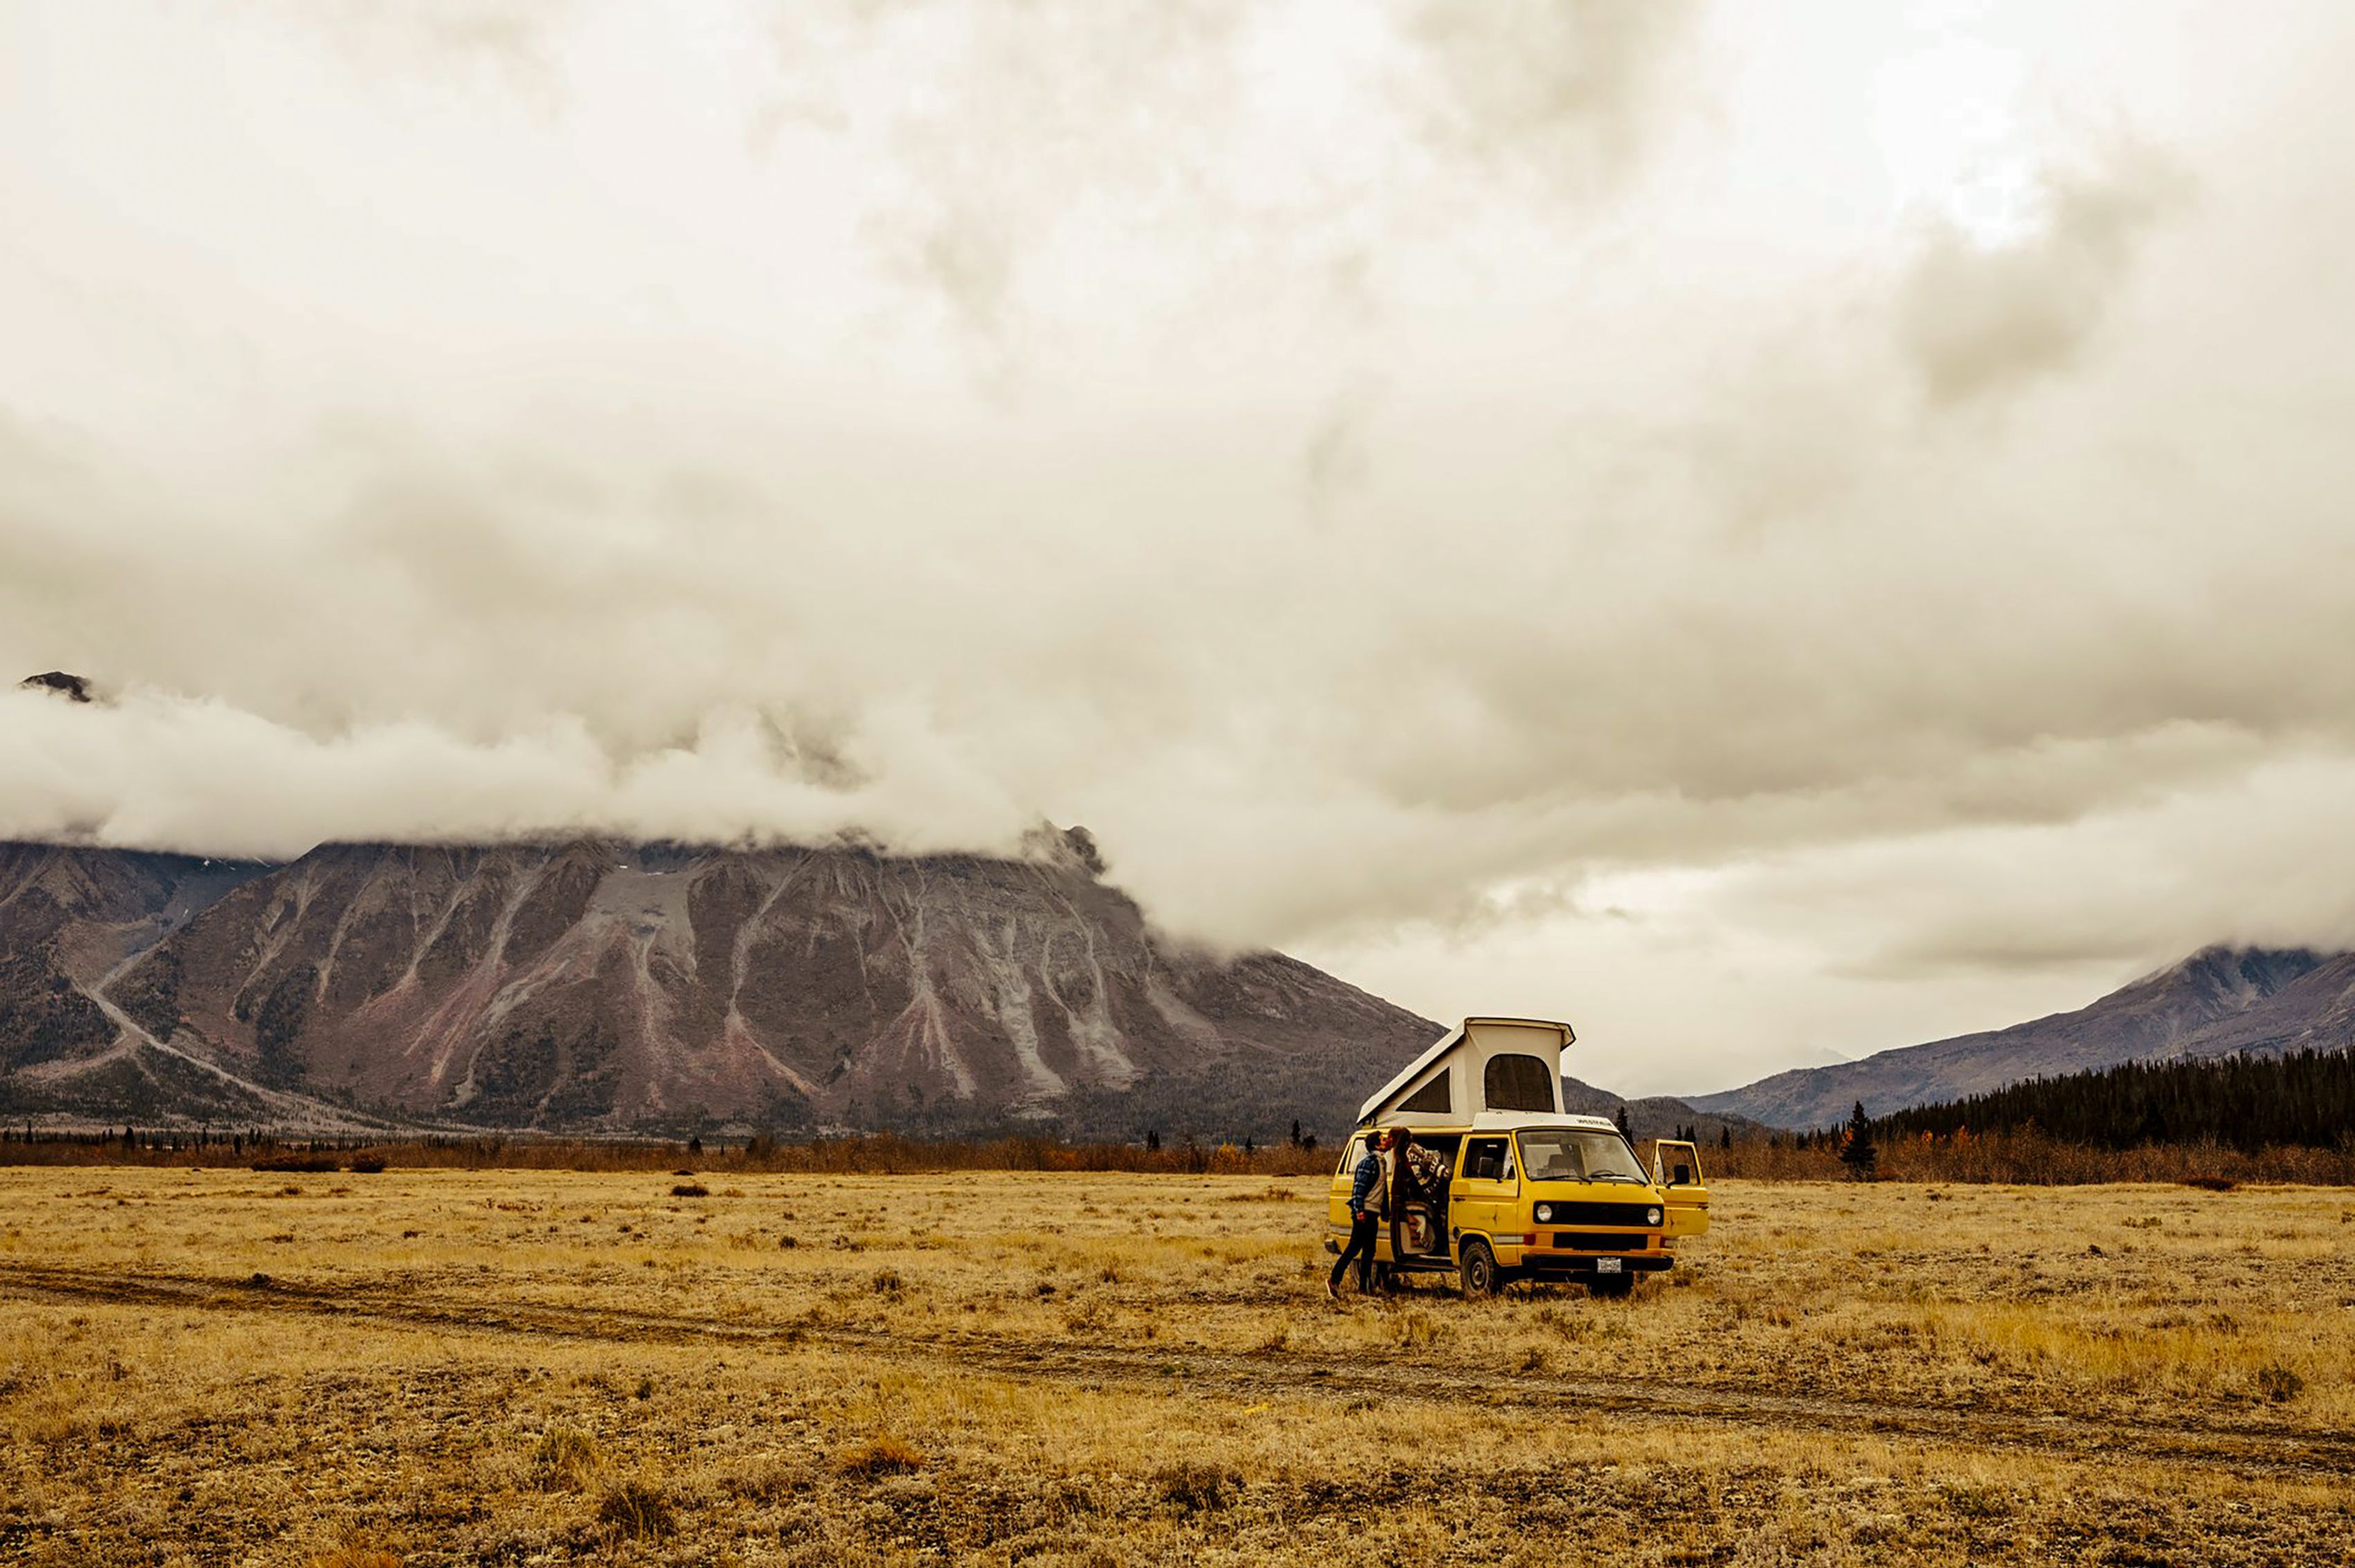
[(1392, 1166)]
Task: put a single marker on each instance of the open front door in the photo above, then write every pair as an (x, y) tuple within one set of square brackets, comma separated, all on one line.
[(1676, 1171)]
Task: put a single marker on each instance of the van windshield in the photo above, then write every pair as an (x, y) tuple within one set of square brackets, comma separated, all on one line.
[(1570, 1156)]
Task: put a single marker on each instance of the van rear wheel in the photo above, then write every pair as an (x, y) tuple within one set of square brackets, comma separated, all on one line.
[(1477, 1269)]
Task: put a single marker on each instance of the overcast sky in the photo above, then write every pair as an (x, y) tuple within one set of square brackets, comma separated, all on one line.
[(1769, 532)]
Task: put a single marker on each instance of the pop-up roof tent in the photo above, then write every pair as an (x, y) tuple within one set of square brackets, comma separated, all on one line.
[(1482, 1065)]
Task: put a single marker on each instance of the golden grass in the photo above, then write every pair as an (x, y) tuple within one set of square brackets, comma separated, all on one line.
[(451, 1366)]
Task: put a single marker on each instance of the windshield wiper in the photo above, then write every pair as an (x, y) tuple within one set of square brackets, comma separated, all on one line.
[(1614, 1176)]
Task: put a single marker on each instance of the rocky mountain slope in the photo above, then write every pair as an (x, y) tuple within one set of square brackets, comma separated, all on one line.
[(70, 920), (591, 984), (2216, 1002), (1656, 1115)]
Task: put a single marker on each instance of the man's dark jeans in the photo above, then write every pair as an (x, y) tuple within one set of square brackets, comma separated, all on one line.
[(1362, 1228)]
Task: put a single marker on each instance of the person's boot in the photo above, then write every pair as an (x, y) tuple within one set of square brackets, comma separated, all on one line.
[(1332, 1290)]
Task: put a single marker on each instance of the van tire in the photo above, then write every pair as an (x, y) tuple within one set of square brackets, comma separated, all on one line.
[(1477, 1270)]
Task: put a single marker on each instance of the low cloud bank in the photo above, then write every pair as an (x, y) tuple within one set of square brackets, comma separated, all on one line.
[(154, 771)]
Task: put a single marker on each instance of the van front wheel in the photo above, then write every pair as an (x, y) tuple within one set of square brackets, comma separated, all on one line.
[(1478, 1269)]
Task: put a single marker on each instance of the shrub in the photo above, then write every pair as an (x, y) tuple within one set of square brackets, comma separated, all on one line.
[(2211, 1183), (690, 1189), (881, 1456), (763, 1480), (1415, 1327), (298, 1164), (565, 1459), (1978, 1499), (1196, 1488), (2280, 1384), (634, 1510), (352, 1555), (887, 1282), (368, 1164)]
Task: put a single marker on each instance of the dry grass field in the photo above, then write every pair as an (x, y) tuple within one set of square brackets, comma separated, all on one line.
[(446, 1367)]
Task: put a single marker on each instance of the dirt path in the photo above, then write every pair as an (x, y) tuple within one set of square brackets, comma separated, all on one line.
[(2241, 1449)]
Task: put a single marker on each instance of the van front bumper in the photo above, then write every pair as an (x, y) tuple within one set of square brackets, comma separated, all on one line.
[(1553, 1266)]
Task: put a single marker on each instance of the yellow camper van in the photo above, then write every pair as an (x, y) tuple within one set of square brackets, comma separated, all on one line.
[(1534, 1192)]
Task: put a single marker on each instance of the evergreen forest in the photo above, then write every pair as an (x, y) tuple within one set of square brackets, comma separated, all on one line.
[(2305, 1099)]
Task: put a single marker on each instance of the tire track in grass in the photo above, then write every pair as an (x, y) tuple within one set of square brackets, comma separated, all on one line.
[(2243, 1450)]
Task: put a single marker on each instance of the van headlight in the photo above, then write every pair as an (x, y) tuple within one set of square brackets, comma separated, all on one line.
[(1545, 1214), (1651, 1216)]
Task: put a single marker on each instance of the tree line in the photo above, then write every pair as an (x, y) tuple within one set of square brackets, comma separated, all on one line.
[(2302, 1100)]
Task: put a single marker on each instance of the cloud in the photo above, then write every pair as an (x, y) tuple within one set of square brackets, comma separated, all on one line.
[(1573, 90), (518, 42), (990, 439), (2247, 857), (153, 770), (1004, 126), (1979, 322), (1189, 143), (1338, 455)]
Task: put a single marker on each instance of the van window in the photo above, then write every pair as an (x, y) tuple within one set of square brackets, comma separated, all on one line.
[(1576, 1154), (1488, 1159), (1518, 1084), (1351, 1153), (1433, 1096)]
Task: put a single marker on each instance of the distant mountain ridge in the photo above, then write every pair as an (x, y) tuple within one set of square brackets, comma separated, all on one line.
[(599, 986), (2218, 1001), (1655, 1115)]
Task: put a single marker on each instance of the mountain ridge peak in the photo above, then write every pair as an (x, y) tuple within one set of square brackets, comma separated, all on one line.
[(2221, 998), (588, 984)]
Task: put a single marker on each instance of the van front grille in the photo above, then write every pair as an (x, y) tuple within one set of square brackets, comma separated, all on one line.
[(1600, 1213)]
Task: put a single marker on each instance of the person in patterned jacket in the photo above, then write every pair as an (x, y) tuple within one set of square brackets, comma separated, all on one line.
[(1422, 1177), (1426, 1175)]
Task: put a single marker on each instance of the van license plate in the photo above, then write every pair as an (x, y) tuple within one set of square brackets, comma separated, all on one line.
[(1606, 1265)]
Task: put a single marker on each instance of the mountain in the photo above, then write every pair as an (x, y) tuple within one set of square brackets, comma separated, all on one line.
[(71, 922), (2218, 1001), (599, 986), (1656, 1115), (72, 688)]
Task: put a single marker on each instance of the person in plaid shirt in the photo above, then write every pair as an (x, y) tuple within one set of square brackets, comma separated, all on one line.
[(1368, 1187)]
